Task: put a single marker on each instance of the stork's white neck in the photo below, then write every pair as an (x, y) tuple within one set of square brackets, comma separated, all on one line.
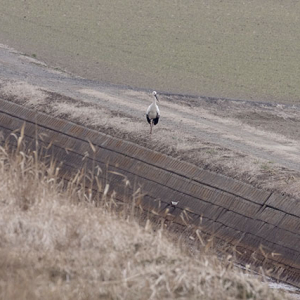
[(154, 100)]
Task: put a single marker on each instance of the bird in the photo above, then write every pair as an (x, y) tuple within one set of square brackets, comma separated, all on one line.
[(153, 113), (174, 203)]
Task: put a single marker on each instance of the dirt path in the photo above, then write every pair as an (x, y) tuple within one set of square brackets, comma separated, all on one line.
[(200, 124), (255, 142)]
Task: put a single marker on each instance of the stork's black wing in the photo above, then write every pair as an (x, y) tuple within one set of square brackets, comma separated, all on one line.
[(155, 121), (148, 119)]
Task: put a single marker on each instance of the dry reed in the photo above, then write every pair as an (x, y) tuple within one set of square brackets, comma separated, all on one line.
[(56, 244)]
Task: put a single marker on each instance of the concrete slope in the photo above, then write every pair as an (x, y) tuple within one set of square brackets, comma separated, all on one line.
[(263, 226)]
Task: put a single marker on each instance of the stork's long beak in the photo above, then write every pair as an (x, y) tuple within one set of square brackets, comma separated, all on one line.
[(156, 97)]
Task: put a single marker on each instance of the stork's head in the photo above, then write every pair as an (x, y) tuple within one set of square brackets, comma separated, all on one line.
[(155, 95)]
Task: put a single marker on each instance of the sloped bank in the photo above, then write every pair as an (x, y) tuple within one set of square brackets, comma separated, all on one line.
[(263, 226)]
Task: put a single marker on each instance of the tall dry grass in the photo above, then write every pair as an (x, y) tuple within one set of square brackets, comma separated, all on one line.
[(56, 244)]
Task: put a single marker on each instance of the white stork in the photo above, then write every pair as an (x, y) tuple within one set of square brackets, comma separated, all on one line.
[(153, 112)]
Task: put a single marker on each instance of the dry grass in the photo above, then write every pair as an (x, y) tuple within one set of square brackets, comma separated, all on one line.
[(24, 92), (217, 158), (55, 244)]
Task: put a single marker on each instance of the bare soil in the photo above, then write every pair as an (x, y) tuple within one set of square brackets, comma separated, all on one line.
[(256, 142), (233, 49)]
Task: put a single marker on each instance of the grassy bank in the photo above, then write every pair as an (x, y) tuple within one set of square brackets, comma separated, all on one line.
[(233, 49), (58, 244)]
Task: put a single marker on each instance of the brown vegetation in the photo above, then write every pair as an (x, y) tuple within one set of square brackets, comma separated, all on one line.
[(57, 243), (242, 120)]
